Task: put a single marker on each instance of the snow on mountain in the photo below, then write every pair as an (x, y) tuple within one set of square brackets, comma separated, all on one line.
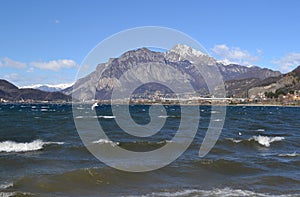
[(181, 57), (184, 50), (49, 87)]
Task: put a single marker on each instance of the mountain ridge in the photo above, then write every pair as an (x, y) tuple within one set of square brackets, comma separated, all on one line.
[(99, 85), (10, 92)]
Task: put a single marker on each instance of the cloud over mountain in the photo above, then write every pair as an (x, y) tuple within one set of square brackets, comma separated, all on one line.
[(234, 55), (55, 65)]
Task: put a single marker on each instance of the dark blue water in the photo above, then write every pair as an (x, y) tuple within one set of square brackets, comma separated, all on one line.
[(41, 153)]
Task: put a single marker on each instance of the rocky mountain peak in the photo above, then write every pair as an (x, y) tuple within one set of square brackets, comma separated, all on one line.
[(141, 55), (182, 52)]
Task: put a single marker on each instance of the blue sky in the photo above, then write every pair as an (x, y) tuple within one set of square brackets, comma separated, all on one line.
[(46, 41)]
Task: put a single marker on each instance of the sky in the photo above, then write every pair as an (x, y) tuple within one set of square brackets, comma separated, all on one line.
[(45, 42)]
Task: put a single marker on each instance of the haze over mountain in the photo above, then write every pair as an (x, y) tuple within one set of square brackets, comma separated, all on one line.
[(100, 83)]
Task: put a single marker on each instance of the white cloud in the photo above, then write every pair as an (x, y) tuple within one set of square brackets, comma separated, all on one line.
[(235, 55), (6, 62), (288, 62), (55, 65)]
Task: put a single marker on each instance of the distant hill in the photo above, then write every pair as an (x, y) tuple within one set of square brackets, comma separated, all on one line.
[(10, 92), (48, 87), (278, 85), (253, 87)]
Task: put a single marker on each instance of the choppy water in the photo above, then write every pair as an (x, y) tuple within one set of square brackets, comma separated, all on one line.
[(258, 154)]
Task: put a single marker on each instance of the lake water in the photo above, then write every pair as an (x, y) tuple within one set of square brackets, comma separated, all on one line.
[(41, 153)]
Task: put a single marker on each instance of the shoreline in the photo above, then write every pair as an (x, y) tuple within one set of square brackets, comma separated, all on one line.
[(147, 103)]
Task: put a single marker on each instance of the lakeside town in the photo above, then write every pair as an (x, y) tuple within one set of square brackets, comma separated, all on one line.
[(292, 98)]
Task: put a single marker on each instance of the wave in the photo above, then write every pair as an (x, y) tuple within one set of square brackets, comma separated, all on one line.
[(104, 141), (217, 120), (11, 146), (104, 117), (214, 192), (262, 140), (234, 140), (11, 194), (225, 166), (8, 194), (167, 116), (133, 143), (6, 185), (266, 141), (289, 155)]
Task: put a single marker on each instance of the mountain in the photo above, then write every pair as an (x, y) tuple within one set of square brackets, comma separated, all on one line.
[(277, 85), (49, 88), (11, 92), (186, 60)]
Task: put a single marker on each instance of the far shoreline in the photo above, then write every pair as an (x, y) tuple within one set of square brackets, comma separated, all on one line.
[(148, 103)]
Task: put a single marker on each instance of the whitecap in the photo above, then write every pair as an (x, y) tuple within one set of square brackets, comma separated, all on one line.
[(6, 185), (104, 141), (11, 146), (265, 140), (163, 116), (260, 130), (217, 120), (214, 192), (8, 194), (289, 155), (105, 117), (234, 140)]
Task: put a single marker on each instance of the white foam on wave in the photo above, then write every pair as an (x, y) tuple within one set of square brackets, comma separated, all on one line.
[(217, 120), (11, 146), (265, 140), (104, 141), (8, 194), (162, 116), (234, 140), (262, 140), (260, 130), (105, 117), (225, 192), (289, 155), (6, 185)]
